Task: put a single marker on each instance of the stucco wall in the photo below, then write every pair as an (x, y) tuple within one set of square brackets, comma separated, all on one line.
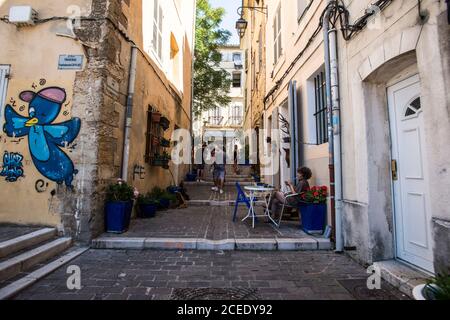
[(397, 46), (295, 35), (96, 96), (33, 54)]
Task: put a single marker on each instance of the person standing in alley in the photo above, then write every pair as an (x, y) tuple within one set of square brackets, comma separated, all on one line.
[(219, 170)]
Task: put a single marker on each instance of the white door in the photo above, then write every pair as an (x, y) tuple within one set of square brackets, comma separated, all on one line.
[(4, 72), (411, 195)]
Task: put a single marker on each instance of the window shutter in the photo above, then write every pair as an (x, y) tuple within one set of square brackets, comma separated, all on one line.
[(160, 22)]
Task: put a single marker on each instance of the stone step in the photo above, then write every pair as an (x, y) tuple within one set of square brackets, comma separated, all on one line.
[(232, 179), (210, 184), (212, 203), (275, 244), (26, 241), (401, 276), (27, 280), (22, 262)]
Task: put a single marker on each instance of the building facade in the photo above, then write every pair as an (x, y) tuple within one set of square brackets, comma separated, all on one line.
[(224, 121), (79, 85), (253, 44), (393, 77), (395, 99)]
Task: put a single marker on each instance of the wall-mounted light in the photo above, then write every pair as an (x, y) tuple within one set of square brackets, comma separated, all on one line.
[(242, 24)]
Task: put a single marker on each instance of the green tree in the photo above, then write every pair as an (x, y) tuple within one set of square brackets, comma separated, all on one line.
[(211, 82)]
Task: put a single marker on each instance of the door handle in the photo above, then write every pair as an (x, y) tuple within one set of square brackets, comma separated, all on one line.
[(394, 169)]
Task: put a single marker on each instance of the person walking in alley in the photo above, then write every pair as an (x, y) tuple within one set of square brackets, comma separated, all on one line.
[(219, 170), (201, 166), (236, 159)]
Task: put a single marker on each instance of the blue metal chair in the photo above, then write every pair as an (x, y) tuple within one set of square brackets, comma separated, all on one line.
[(241, 198)]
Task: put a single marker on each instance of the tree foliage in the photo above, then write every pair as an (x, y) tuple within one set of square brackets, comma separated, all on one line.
[(211, 82)]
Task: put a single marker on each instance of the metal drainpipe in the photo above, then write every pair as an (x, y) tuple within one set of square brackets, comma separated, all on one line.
[(334, 131), (129, 113)]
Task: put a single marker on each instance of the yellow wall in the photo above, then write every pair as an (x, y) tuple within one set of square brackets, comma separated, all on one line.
[(33, 54)]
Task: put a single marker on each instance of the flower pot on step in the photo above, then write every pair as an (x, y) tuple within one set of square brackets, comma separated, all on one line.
[(118, 216), (147, 211), (313, 217)]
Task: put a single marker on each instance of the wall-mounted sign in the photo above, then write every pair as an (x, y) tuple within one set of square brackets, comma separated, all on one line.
[(70, 62)]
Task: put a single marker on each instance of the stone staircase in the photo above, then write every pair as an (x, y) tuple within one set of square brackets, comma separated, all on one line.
[(27, 258)]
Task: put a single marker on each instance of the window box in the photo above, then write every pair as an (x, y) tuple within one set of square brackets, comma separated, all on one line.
[(164, 123), (165, 143), (156, 117), (158, 162)]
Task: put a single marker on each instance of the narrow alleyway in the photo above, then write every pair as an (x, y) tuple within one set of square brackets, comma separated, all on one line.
[(233, 274), (207, 223)]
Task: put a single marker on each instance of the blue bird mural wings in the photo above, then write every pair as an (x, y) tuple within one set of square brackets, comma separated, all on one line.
[(15, 123), (63, 134)]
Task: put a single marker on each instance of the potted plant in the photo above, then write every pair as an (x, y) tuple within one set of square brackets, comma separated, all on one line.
[(147, 206), (191, 177), (164, 123), (437, 288), (162, 160), (313, 210), (119, 206), (170, 200), (165, 199), (165, 143), (156, 117)]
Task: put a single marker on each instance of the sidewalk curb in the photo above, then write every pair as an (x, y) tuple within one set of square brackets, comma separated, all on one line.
[(305, 244)]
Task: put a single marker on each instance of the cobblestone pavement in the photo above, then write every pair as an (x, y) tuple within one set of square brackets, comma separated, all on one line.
[(212, 223), (8, 232), (202, 192), (159, 275)]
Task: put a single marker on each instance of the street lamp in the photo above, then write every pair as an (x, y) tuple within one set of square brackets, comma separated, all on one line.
[(242, 24)]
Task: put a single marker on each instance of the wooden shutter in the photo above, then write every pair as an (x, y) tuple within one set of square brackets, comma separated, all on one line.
[(4, 73)]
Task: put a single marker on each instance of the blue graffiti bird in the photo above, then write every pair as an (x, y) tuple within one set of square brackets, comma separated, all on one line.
[(45, 139)]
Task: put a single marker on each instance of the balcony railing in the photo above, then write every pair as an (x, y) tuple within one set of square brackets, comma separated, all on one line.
[(231, 122), (215, 121), (235, 121)]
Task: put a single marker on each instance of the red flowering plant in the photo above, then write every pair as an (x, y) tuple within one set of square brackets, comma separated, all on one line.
[(316, 195)]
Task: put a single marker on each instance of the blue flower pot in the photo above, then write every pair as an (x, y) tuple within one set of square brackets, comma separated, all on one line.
[(314, 217), (147, 211), (174, 190), (164, 204), (191, 177), (118, 216)]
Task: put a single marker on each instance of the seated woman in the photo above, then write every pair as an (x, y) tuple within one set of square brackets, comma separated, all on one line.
[(279, 198)]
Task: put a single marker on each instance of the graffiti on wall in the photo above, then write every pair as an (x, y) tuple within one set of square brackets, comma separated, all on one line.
[(45, 138), (12, 168)]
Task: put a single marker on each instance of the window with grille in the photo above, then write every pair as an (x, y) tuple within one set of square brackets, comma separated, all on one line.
[(321, 115), (277, 46), (215, 117), (157, 28), (236, 115), (237, 80), (153, 137)]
